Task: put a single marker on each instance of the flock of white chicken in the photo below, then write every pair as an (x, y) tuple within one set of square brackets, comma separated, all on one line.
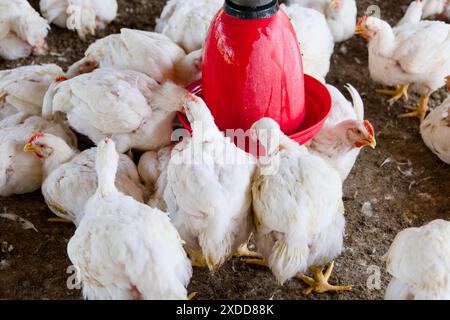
[(141, 228)]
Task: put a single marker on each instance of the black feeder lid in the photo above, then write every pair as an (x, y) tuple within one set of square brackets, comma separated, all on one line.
[(251, 9)]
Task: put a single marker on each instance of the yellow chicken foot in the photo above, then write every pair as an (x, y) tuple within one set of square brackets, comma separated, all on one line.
[(192, 295), (257, 262), (320, 282), (401, 91), (244, 252), (196, 257), (58, 220), (418, 111)]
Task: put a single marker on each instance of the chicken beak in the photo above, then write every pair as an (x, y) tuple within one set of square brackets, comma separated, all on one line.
[(371, 142), (29, 148), (361, 31)]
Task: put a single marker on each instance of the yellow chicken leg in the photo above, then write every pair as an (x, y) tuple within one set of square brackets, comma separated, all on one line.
[(401, 91), (58, 220), (192, 295), (196, 257), (419, 111), (245, 252), (320, 282), (257, 262)]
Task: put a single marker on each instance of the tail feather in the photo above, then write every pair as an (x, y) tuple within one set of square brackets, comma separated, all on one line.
[(216, 242), (47, 107), (358, 103), (286, 260)]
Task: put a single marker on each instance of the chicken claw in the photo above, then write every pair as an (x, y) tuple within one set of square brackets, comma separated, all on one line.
[(320, 282), (58, 220), (196, 257), (401, 91), (192, 295), (419, 111), (244, 252), (257, 262)]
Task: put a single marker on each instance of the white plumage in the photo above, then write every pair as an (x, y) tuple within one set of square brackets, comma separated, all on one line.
[(419, 262), (435, 130), (316, 40), (125, 249), (416, 52), (22, 30), (148, 52), (297, 202), (344, 133), (340, 15), (21, 172), (433, 8), (129, 106), (84, 16), (152, 169), (187, 22), (70, 178), (23, 89), (208, 193), (189, 69)]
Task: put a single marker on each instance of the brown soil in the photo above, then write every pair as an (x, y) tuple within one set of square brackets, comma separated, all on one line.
[(409, 190)]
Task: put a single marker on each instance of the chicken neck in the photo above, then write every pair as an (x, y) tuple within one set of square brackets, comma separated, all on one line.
[(332, 140), (383, 42), (62, 153)]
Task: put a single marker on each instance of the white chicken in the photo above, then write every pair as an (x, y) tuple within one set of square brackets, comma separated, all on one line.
[(125, 249), (148, 52), (21, 172), (22, 30), (316, 40), (413, 14), (298, 208), (70, 178), (152, 169), (23, 89), (436, 8), (208, 192), (412, 53), (419, 262), (435, 130), (340, 15), (83, 16), (127, 105), (344, 134), (189, 69), (187, 22)]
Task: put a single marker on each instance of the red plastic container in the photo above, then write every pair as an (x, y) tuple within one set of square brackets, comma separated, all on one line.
[(253, 69), (318, 104)]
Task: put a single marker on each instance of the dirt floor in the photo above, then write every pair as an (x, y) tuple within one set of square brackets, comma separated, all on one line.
[(400, 184)]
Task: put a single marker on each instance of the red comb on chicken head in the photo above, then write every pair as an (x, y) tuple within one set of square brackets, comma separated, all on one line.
[(361, 28), (30, 146)]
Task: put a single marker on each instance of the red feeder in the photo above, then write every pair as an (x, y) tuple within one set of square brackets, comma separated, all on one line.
[(252, 68), (318, 107)]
